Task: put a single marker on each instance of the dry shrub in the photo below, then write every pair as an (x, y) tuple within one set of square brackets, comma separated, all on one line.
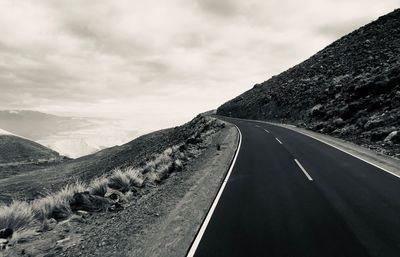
[(119, 181), (175, 148), (57, 205), (19, 215), (160, 174), (153, 177), (70, 190), (149, 167), (16, 216), (99, 186), (43, 208), (178, 165), (163, 158), (135, 177), (168, 151), (23, 234)]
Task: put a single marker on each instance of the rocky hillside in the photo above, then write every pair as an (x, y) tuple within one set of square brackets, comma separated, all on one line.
[(129, 200), (135, 153), (350, 89)]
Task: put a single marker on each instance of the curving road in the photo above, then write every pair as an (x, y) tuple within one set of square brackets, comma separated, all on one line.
[(290, 195)]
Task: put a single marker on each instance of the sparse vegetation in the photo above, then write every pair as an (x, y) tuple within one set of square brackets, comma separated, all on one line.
[(120, 181), (51, 206), (16, 216), (135, 177), (178, 165), (106, 192), (57, 205), (99, 186)]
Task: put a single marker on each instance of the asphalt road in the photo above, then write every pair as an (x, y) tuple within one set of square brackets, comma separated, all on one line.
[(291, 195)]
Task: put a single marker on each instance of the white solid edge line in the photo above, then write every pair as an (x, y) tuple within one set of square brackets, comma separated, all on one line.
[(304, 170), (279, 141), (199, 235), (338, 148)]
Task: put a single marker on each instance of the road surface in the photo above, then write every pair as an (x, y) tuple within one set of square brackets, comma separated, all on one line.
[(291, 195)]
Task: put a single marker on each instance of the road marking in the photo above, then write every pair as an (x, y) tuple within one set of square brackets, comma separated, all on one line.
[(203, 227), (334, 146), (302, 169), (266, 130), (355, 156), (279, 141)]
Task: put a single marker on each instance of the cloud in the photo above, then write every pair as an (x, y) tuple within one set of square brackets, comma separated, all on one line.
[(151, 59), (221, 7)]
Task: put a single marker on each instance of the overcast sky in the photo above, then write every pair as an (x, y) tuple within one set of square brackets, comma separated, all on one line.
[(159, 63)]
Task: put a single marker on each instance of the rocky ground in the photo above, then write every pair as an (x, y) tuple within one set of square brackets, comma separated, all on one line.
[(160, 219), (350, 90), (38, 181)]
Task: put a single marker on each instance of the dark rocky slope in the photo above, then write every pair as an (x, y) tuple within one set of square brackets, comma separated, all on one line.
[(350, 89)]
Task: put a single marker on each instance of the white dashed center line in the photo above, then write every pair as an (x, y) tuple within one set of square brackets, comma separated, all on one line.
[(303, 170), (279, 141)]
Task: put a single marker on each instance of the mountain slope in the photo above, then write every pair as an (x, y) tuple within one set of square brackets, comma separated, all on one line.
[(133, 153), (14, 149), (350, 89)]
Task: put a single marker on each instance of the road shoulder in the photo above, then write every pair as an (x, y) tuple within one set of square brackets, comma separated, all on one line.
[(173, 234)]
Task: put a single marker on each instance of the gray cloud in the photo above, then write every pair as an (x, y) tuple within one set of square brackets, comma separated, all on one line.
[(221, 7), (147, 60), (338, 30)]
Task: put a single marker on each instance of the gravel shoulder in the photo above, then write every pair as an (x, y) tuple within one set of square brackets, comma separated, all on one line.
[(173, 233)]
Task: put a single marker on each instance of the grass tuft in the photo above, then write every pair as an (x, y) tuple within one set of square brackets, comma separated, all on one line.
[(135, 177), (178, 165), (120, 181), (68, 192), (57, 205), (99, 186), (149, 167), (22, 235), (16, 216)]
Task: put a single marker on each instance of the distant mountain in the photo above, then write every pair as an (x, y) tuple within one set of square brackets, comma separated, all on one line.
[(72, 147), (70, 136), (37, 125), (15, 150), (350, 89)]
